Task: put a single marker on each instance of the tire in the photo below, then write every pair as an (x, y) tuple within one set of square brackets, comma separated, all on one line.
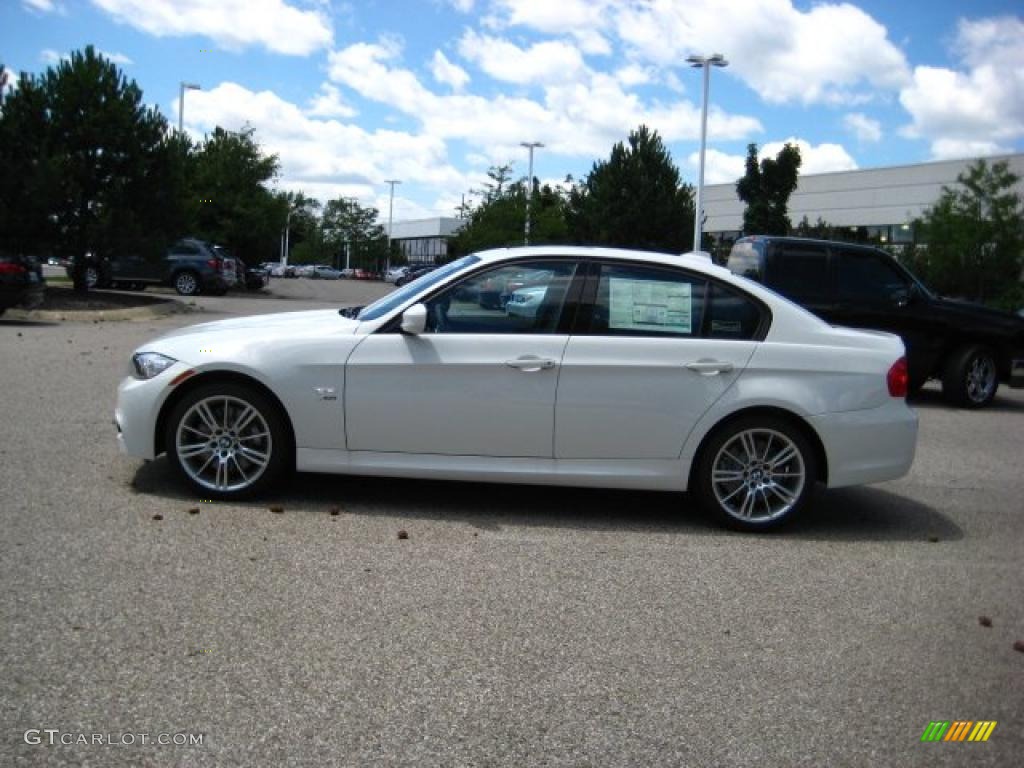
[(92, 278), (244, 459), (186, 283), (755, 473), (971, 378)]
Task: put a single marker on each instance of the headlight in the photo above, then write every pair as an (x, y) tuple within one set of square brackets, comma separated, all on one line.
[(150, 364)]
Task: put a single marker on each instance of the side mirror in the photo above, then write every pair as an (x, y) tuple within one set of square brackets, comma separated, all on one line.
[(414, 320), (905, 296)]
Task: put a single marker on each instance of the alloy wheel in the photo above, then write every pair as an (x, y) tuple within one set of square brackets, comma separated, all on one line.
[(224, 443), (758, 475), (981, 378)]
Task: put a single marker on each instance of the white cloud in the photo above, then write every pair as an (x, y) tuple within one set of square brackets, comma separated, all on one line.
[(544, 62), (43, 6), (722, 168), (231, 24), (324, 157), (719, 167), (866, 129), (822, 158), (447, 73), (463, 6), (51, 57), (583, 19), (977, 111), (577, 118), (117, 58), (827, 54), (328, 103)]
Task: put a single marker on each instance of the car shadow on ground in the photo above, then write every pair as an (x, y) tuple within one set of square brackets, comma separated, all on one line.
[(16, 322), (849, 514)]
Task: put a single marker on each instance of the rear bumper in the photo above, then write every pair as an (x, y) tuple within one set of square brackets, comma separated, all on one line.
[(869, 446)]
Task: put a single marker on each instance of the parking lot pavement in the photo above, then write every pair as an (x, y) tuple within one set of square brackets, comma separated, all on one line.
[(514, 626)]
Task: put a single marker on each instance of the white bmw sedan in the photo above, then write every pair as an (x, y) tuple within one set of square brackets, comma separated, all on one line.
[(635, 370)]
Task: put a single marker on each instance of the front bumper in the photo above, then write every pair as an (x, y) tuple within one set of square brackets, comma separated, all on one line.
[(868, 446), (138, 408)]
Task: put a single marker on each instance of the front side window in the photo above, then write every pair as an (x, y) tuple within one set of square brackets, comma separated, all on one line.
[(398, 297), (868, 276), (526, 297), (647, 301)]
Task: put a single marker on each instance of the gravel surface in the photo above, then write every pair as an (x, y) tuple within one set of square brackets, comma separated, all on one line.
[(513, 626)]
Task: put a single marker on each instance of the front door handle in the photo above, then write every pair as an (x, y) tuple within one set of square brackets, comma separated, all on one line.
[(709, 367), (530, 364)]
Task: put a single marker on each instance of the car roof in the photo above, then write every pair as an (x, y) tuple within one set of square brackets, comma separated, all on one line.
[(694, 260)]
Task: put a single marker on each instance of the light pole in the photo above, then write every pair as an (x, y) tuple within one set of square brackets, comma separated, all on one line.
[(181, 102), (705, 63), (285, 238), (530, 145), (391, 210)]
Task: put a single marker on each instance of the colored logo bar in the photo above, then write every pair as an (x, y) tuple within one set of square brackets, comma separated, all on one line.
[(958, 730)]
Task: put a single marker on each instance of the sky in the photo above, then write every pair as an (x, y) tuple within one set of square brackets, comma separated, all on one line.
[(434, 92)]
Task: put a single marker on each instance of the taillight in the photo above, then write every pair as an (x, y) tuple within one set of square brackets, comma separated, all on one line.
[(10, 268), (214, 264), (898, 378)]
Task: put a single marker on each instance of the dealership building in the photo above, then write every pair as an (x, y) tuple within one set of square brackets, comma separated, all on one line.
[(879, 204)]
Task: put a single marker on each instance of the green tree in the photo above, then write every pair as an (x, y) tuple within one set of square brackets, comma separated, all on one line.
[(81, 150), (349, 227), (499, 218), (234, 206), (634, 199), (975, 235), (766, 188)]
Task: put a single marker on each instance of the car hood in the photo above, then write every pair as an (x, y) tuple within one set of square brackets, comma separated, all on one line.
[(316, 321), (966, 310)]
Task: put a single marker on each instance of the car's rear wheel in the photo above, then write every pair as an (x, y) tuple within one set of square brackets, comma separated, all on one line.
[(186, 283), (970, 379), (228, 440), (92, 277), (756, 473)]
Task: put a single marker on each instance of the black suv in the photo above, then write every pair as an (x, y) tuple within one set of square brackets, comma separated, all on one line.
[(970, 348), (190, 266)]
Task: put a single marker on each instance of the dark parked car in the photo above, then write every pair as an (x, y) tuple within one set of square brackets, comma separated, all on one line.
[(414, 272), (190, 266), (970, 348), (21, 282)]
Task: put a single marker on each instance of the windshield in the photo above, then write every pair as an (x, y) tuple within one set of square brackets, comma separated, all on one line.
[(396, 298)]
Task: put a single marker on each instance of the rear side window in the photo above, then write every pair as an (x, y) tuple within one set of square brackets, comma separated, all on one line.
[(184, 249), (868, 276), (732, 315), (745, 259), (799, 271), (645, 301)]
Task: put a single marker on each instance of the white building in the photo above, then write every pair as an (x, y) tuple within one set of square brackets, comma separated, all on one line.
[(425, 240), (884, 201)]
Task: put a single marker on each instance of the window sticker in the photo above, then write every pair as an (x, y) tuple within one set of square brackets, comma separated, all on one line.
[(649, 305)]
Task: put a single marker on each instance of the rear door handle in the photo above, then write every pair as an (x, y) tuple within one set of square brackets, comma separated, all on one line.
[(530, 364), (709, 367)]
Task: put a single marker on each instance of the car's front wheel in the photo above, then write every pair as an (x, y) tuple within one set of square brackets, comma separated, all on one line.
[(755, 473), (228, 440), (970, 379)]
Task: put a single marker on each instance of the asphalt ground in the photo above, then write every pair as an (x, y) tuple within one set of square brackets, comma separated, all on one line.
[(514, 626)]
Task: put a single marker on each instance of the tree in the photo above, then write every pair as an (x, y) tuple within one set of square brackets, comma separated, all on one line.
[(92, 160), (235, 207), (975, 234), (348, 226), (766, 188), (499, 218), (634, 199)]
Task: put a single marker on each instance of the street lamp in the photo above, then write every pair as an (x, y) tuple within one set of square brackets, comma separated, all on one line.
[(705, 63), (530, 145), (181, 102), (391, 210)]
